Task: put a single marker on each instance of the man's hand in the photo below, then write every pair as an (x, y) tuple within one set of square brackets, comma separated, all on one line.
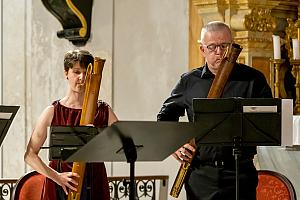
[(184, 153)]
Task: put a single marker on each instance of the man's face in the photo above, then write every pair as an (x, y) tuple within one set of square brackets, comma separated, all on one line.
[(214, 46)]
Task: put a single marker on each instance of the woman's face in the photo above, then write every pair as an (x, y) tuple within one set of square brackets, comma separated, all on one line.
[(76, 78)]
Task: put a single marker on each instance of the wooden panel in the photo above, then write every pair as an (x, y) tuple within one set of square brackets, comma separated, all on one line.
[(262, 64)]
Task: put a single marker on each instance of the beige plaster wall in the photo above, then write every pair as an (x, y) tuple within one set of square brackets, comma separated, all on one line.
[(151, 52)]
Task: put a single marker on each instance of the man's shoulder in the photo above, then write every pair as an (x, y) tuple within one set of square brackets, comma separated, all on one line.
[(247, 70), (193, 72)]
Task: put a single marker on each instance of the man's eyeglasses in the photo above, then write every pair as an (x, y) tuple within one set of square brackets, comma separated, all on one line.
[(213, 47)]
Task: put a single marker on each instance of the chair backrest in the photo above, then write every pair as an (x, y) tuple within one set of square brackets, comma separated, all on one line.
[(29, 187), (273, 185)]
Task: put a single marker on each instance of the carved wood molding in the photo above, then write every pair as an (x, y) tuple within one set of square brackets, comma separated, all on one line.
[(75, 18), (260, 20)]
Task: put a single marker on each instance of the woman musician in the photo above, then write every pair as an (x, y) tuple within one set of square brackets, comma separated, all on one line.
[(67, 111)]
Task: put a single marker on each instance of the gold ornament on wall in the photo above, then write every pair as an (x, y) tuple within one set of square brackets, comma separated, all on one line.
[(291, 32), (260, 19)]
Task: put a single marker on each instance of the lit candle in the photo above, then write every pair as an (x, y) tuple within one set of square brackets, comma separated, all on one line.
[(276, 46), (296, 55)]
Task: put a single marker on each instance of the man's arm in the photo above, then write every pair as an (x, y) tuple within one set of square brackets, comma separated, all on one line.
[(172, 109), (174, 106)]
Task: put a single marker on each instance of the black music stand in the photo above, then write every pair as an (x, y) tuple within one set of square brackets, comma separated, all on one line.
[(238, 122), (7, 114), (129, 141), (217, 122)]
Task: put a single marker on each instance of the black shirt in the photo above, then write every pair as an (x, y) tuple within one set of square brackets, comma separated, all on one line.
[(244, 82)]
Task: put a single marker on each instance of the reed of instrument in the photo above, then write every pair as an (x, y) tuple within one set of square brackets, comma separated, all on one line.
[(92, 87), (215, 91)]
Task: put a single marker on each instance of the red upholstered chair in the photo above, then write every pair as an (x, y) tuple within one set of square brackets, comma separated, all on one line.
[(28, 187), (274, 186)]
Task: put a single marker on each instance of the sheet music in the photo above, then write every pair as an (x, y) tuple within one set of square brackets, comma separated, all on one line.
[(296, 130), (4, 115)]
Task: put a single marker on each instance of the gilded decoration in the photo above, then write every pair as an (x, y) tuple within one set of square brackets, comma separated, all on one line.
[(260, 19), (291, 32)]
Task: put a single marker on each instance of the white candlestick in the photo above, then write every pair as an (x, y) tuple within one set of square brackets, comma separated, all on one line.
[(296, 54), (276, 47)]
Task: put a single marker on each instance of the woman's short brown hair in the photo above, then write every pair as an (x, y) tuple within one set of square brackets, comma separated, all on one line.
[(82, 56)]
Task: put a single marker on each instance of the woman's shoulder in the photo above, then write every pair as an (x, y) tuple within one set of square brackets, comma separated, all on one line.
[(49, 109), (47, 115)]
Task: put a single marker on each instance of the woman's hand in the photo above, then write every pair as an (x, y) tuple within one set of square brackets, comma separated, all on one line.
[(68, 180), (184, 153)]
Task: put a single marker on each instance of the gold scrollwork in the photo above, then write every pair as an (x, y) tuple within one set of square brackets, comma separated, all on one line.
[(260, 19), (83, 29)]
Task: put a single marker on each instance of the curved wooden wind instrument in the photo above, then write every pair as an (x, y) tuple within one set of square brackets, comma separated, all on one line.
[(92, 87), (216, 91)]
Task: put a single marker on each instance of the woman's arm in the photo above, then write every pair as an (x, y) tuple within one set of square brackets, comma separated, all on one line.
[(31, 157), (112, 118), (37, 139)]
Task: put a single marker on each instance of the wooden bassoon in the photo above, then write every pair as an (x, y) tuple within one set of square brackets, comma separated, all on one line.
[(92, 87), (215, 91)]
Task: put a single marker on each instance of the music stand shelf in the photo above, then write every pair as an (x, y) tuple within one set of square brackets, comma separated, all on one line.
[(7, 114), (239, 122), (128, 141), (217, 122)]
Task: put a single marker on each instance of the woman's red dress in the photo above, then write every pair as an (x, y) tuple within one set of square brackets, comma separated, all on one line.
[(64, 116)]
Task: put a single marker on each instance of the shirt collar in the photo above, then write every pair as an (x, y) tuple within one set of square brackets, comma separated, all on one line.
[(206, 73)]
